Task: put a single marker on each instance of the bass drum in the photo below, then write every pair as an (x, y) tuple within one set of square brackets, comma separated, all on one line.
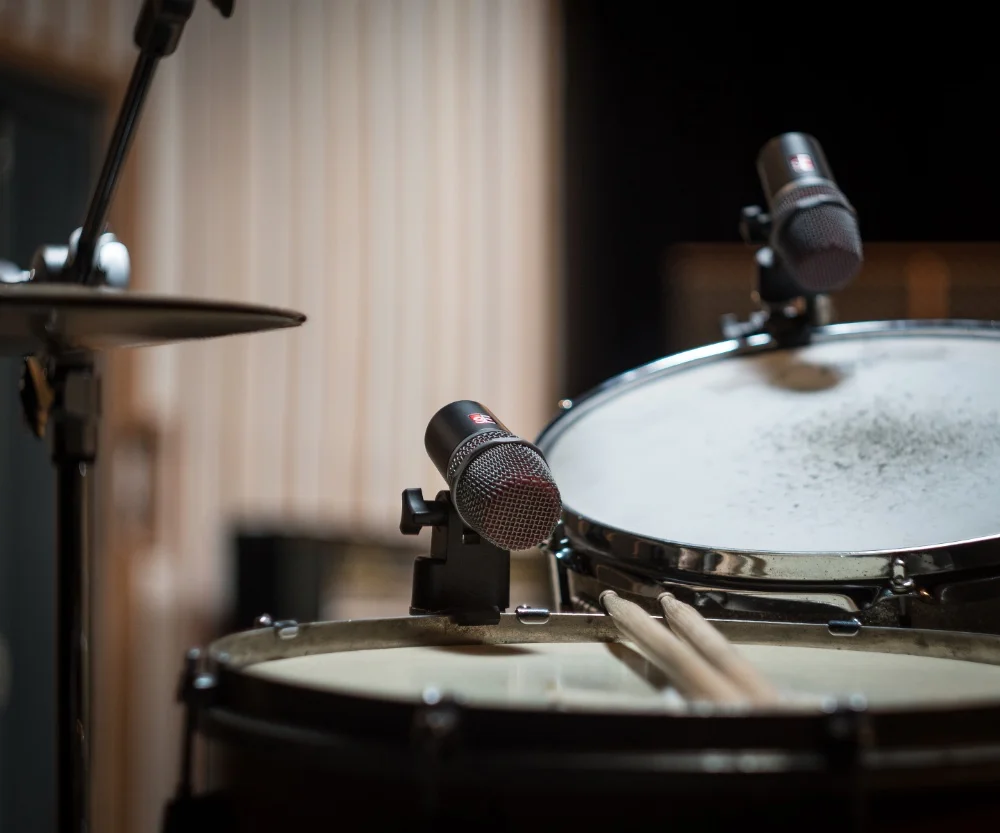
[(415, 723), (856, 477)]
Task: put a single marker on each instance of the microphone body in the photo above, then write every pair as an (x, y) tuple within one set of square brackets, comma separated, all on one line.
[(814, 228), (501, 485)]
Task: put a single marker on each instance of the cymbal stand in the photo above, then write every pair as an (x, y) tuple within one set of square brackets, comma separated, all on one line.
[(63, 387)]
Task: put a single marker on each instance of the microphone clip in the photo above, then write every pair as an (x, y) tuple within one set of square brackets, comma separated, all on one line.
[(464, 577), (784, 313)]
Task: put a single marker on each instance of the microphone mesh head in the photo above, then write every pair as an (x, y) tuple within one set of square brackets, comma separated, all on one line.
[(821, 244), (506, 493)]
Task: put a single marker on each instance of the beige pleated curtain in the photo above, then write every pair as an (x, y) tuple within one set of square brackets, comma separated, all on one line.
[(386, 167)]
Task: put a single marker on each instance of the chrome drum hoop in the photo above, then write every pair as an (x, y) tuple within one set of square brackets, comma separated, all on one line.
[(931, 571), (298, 757), (899, 739)]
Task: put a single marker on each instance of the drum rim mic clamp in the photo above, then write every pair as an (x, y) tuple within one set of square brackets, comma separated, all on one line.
[(464, 577)]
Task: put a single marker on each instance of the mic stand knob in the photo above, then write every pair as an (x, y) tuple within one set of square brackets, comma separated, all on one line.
[(464, 577), (418, 513), (111, 264)]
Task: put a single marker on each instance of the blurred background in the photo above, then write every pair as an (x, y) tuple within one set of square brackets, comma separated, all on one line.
[(502, 200)]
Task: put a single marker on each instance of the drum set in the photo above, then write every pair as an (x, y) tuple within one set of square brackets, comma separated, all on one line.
[(822, 495)]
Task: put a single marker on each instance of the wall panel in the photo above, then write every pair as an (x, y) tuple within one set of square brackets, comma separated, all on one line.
[(383, 166)]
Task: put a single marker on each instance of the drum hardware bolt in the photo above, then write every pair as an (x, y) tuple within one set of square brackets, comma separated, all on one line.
[(263, 621), (844, 627), (900, 583), (286, 629), (528, 615), (564, 552), (565, 404)]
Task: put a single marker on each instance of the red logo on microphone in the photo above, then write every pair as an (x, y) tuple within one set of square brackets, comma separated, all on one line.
[(482, 419), (802, 163)]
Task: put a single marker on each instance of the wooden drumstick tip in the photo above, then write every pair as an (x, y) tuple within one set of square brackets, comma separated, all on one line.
[(691, 675), (702, 635)]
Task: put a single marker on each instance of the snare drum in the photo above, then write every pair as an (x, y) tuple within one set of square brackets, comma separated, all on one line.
[(416, 723), (857, 477)]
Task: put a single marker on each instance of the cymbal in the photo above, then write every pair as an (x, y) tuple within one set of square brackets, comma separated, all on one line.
[(68, 317)]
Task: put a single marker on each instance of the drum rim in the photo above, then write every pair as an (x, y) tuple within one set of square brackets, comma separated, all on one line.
[(664, 558), (246, 706)]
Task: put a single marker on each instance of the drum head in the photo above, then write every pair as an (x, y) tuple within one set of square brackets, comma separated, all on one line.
[(603, 677), (877, 439)]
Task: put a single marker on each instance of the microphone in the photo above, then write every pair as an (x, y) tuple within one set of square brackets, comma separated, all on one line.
[(500, 484), (814, 229)]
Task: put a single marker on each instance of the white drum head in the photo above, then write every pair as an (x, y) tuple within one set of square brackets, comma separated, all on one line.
[(608, 676), (882, 442)]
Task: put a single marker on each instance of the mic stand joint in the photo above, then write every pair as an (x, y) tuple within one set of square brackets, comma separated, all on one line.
[(784, 314), (464, 577)]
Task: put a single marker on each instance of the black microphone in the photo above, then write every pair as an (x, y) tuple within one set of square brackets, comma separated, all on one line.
[(814, 229), (500, 484)]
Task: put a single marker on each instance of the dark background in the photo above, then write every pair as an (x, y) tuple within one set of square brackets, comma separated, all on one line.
[(663, 121)]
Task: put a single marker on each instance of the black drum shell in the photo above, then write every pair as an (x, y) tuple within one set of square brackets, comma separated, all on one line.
[(288, 758)]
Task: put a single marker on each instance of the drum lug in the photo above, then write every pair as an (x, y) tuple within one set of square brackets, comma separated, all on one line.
[(848, 735), (196, 691), (435, 724), (435, 732), (197, 687)]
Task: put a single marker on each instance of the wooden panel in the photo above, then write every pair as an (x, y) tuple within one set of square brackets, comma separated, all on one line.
[(898, 280)]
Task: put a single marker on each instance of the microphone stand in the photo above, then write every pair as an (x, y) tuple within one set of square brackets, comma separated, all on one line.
[(64, 387), (786, 314)]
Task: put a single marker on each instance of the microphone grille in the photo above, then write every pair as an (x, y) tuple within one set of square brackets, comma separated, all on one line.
[(506, 493), (821, 244)]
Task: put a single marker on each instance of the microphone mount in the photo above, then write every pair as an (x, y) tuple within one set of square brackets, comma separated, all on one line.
[(464, 577), (786, 313)]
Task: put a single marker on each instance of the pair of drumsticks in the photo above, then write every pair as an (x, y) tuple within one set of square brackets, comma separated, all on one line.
[(700, 662)]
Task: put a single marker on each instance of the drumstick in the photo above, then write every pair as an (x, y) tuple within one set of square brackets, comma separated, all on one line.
[(691, 626), (691, 675)]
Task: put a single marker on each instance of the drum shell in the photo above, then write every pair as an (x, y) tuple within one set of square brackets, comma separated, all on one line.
[(579, 576), (262, 792), (288, 759)]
